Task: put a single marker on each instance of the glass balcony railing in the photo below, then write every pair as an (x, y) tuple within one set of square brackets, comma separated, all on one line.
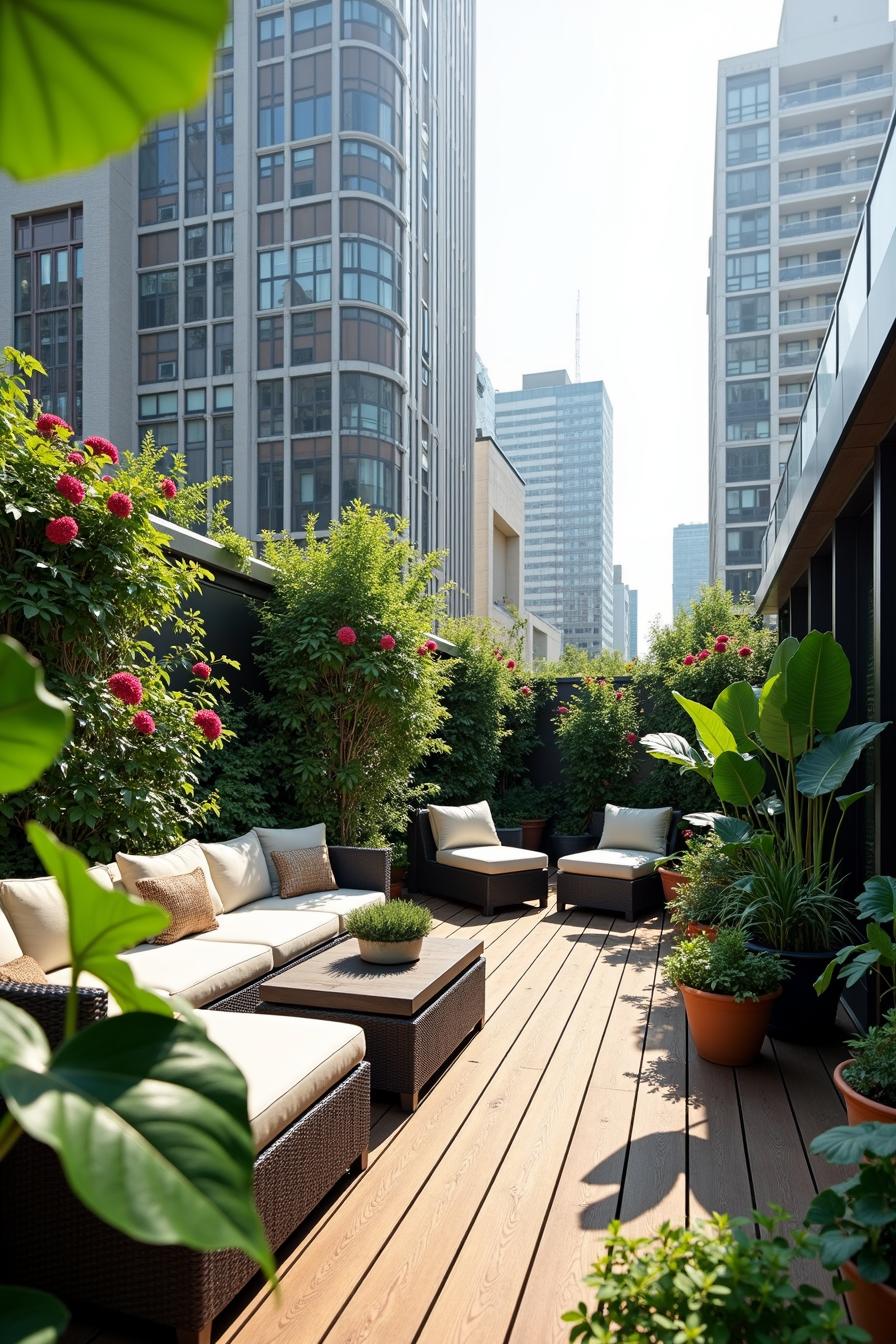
[(805, 228), (827, 93), (835, 136), (801, 317), (810, 269), (791, 401), (797, 359), (826, 181)]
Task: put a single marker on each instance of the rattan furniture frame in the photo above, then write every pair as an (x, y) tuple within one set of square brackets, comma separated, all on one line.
[(630, 898), (488, 892)]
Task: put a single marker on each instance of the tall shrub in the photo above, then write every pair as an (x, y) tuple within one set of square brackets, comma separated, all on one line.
[(353, 679), (84, 578), (597, 733)]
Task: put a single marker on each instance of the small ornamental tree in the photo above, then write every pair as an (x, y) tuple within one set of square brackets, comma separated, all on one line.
[(597, 733), (85, 577), (354, 680)]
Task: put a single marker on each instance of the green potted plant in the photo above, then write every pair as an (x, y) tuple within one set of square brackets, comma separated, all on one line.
[(867, 1081), (399, 868), (669, 868), (857, 1222), (392, 933), (728, 993), (711, 1282), (707, 869), (527, 807), (570, 834)]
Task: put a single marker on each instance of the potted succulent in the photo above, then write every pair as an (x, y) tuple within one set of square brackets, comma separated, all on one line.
[(398, 869), (728, 993), (857, 1222), (570, 835), (707, 869), (390, 933), (712, 1281), (525, 806)]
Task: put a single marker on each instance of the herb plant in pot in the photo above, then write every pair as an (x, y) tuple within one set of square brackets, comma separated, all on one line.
[(390, 934), (707, 869), (728, 993)]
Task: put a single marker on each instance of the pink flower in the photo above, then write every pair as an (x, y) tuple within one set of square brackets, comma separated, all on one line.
[(208, 723), (126, 687), (702, 655), (499, 653), (563, 709), (144, 722), (346, 635), (107, 479), (689, 660), (201, 670), (47, 425), (76, 458), (688, 835), (102, 448), (721, 646), (526, 691), (387, 643), (422, 651), (745, 652), (120, 504), (631, 738), (431, 645), (167, 487), (61, 530), (510, 664), (601, 681), (620, 694), (70, 488), (726, 638)]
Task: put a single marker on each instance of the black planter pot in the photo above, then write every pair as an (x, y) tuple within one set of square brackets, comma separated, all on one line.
[(561, 845), (800, 1014)]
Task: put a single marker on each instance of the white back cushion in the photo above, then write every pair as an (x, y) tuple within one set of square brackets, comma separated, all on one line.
[(462, 827), (239, 870), (10, 947), (184, 859), (36, 909), (276, 840), (642, 828)]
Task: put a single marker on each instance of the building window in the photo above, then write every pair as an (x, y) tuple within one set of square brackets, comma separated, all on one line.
[(195, 286), (742, 583), (311, 467), (750, 186), (310, 171), (222, 348), (270, 342), (750, 228), (270, 105), (366, 167), (749, 504), (270, 37), (270, 408), (195, 242), (311, 96), (366, 21), (747, 463), (195, 400), (157, 170), (311, 221), (158, 357), (747, 409), (750, 314), (223, 237), (371, 95), (223, 398), (157, 249), (157, 405), (158, 299), (273, 274), (371, 220), (311, 274), (270, 228), (269, 480), (747, 145), (371, 273), (195, 344), (311, 397), (195, 451), (372, 338), (743, 546), (224, 143), (369, 473), (749, 271), (196, 161), (222, 443), (312, 26), (222, 282), (747, 356), (270, 178), (369, 405), (311, 337), (747, 97)]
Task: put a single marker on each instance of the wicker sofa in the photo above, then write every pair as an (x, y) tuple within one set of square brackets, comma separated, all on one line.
[(619, 877), (490, 876)]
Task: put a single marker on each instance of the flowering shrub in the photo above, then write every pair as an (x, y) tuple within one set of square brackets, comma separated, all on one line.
[(598, 739), (84, 590)]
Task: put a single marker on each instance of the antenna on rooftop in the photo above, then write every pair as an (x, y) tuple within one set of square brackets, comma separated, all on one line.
[(578, 335)]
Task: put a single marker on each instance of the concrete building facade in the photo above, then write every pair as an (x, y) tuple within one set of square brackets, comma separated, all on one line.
[(625, 616), (690, 563), (799, 129)]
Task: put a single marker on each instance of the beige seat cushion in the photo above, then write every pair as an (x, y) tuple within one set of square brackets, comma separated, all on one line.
[(134, 867), (624, 863), (462, 827), (340, 902), (10, 948), (493, 859), (288, 1062), (301, 837), (36, 909), (197, 970), (286, 932), (238, 870), (637, 828)]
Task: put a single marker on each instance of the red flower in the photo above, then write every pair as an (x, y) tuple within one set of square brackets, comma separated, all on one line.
[(721, 646), (746, 651), (47, 425), (422, 650), (511, 664), (107, 479), (167, 487), (144, 722), (631, 738), (120, 504), (563, 709), (201, 670), (61, 530), (689, 660), (126, 687), (526, 691), (208, 723), (102, 448), (702, 655), (431, 645), (76, 458), (346, 635), (70, 488), (620, 694), (387, 643), (687, 835), (726, 638)]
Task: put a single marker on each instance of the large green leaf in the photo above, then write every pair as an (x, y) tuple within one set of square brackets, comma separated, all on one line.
[(149, 1120), (28, 1316), (819, 684), (738, 707), (775, 733), (713, 732), (79, 82), (677, 750), (844, 1145), (732, 830), (782, 655), (34, 725), (846, 800), (102, 923), (738, 779), (877, 900), (824, 768)]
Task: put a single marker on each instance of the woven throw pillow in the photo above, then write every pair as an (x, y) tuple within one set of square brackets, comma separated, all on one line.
[(303, 870), (22, 971), (187, 899)]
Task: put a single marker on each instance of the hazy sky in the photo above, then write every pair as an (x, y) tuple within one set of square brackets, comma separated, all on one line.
[(595, 173)]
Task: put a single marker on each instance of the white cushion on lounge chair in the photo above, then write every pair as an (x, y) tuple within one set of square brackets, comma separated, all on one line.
[(461, 827), (635, 828), (493, 859), (625, 863), (286, 932), (341, 901), (288, 1062)]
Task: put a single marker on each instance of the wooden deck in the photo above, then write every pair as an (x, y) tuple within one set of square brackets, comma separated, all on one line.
[(581, 1101)]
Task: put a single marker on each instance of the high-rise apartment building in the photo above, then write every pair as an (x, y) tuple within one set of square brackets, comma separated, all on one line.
[(279, 282), (559, 436), (625, 616), (690, 563), (798, 131)]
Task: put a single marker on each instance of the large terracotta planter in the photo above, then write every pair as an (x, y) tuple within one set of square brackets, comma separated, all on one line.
[(671, 880), (725, 1031), (709, 929), (859, 1108), (533, 833), (872, 1306)]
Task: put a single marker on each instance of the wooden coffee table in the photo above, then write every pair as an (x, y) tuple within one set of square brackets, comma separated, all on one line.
[(414, 1016)]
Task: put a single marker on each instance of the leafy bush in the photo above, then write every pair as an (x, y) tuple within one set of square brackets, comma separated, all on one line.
[(576, 662), (779, 905), (876, 903), (597, 733), (857, 1219), (354, 688), (711, 1283), (709, 869), (872, 1069), (522, 802), (394, 922), (245, 787), (530, 694), (725, 966), (84, 604)]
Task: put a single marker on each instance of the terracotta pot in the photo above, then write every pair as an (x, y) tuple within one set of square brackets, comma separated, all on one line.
[(709, 929), (724, 1031), (390, 954), (859, 1108), (872, 1306), (396, 884), (671, 880), (533, 833)]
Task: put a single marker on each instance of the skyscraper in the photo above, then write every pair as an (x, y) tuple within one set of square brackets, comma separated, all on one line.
[(279, 282), (690, 563), (798, 131), (625, 616), (559, 436)]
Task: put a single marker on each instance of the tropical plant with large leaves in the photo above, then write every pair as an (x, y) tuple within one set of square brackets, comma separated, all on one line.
[(777, 755)]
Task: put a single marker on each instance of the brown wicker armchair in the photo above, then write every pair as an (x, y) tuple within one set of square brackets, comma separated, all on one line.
[(630, 898), (488, 891)]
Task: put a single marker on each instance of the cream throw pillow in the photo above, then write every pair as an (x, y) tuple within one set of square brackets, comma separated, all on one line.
[(282, 840), (238, 870), (135, 867), (642, 828), (36, 909), (462, 827)]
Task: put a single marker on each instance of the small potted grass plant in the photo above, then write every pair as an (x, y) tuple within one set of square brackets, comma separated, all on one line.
[(390, 933), (728, 993)]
